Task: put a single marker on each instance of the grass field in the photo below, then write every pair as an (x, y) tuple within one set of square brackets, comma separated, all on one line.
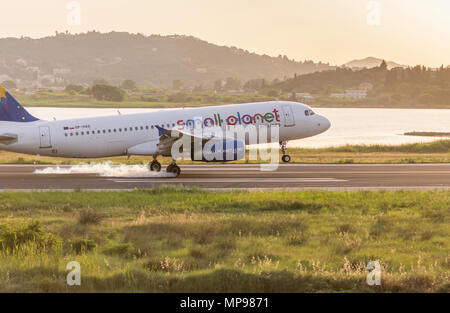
[(433, 152), (189, 240), (61, 99)]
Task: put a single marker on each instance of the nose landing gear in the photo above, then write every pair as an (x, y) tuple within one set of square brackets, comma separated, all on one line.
[(285, 158)]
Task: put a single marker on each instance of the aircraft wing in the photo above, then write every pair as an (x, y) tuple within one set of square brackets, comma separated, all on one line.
[(175, 133), (169, 136)]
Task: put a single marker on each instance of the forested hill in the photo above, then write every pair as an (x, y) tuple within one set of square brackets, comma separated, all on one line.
[(150, 60), (413, 85)]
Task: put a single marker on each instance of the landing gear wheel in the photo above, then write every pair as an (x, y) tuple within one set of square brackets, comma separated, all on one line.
[(286, 158), (173, 169), (154, 166)]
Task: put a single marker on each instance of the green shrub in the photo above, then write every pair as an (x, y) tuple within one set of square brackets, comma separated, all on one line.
[(298, 238), (121, 249), (345, 228), (87, 217), (108, 93), (82, 245), (18, 234)]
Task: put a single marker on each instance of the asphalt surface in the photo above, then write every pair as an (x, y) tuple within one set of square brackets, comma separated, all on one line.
[(287, 176)]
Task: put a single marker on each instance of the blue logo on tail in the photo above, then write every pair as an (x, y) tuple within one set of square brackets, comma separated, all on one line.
[(11, 110)]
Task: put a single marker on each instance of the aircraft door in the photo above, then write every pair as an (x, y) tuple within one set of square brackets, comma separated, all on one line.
[(44, 135), (288, 115)]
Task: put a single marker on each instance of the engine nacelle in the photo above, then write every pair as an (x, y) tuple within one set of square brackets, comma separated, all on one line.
[(219, 151), (146, 148)]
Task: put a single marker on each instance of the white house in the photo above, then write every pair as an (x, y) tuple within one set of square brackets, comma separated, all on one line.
[(354, 94)]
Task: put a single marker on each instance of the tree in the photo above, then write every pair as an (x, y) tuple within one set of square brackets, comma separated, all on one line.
[(253, 84), (272, 93), (232, 83), (198, 88), (74, 88), (129, 84), (100, 82), (108, 93), (177, 84), (218, 85), (9, 84), (383, 65)]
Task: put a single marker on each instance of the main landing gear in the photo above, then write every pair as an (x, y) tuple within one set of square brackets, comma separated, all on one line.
[(173, 168), (154, 166), (285, 158)]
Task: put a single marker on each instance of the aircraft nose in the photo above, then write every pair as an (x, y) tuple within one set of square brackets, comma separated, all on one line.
[(323, 123), (326, 123)]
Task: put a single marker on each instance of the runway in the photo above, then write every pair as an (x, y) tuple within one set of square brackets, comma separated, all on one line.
[(245, 176)]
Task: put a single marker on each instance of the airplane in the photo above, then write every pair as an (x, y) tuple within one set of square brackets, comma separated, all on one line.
[(154, 133)]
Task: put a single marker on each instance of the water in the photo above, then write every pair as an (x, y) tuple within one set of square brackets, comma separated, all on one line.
[(348, 126)]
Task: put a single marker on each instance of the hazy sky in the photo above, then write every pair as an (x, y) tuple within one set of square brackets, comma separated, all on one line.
[(336, 31)]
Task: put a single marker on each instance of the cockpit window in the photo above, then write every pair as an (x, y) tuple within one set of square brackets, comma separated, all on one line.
[(309, 112)]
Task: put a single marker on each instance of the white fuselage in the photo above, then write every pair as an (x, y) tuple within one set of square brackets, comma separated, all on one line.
[(106, 136)]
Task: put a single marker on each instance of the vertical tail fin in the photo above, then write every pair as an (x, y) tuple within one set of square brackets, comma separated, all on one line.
[(11, 110)]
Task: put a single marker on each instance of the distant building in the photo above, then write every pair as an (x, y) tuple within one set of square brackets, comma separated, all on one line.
[(61, 71), (33, 69), (235, 91), (201, 70), (4, 77), (337, 95), (303, 97), (354, 94), (22, 62)]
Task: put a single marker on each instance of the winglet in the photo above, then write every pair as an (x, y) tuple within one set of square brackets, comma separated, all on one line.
[(11, 110)]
